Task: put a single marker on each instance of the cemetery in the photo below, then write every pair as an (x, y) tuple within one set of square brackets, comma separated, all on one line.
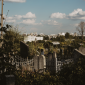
[(40, 63)]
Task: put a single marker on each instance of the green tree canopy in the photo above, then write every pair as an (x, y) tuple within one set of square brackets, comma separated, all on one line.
[(67, 35), (12, 38)]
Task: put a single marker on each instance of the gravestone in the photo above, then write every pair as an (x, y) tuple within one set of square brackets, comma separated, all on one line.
[(51, 64), (36, 62), (54, 55), (49, 59), (60, 51), (24, 49), (42, 62), (39, 63), (54, 62), (9, 80), (83, 50), (42, 52), (80, 49), (77, 54)]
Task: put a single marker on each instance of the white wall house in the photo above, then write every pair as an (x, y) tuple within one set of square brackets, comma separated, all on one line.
[(32, 38)]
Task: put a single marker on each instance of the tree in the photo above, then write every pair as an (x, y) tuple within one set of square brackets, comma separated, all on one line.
[(5, 53), (67, 35), (74, 73), (62, 38), (46, 38), (12, 38), (81, 28)]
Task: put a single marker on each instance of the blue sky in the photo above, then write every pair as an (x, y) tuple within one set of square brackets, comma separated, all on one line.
[(44, 16)]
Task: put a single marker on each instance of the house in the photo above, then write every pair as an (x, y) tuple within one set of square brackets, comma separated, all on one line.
[(31, 38)]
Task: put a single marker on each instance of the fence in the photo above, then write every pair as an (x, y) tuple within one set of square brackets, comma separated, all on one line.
[(39, 62)]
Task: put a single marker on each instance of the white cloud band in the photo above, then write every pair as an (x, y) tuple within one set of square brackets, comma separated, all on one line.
[(28, 15), (50, 22), (76, 14), (58, 15)]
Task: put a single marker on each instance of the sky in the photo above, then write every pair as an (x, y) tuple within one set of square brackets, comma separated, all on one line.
[(44, 16)]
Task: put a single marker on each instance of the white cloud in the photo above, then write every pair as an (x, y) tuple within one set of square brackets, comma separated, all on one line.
[(77, 14), (18, 16), (20, 1), (30, 22), (10, 21), (26, 19), (58, 15), (50, 22), (28, 15)]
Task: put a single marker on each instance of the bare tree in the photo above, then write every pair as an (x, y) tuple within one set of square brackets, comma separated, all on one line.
[(81, 28)]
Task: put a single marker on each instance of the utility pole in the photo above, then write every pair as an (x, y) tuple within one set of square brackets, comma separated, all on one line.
[(2, 19)]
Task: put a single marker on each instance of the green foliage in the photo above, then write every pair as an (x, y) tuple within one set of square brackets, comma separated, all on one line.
[(67, 35), (12, 40), (45, 38), (61, 38), (5, 49), (74, 74), (75, 43), (40, 41), (35, 78), (54, 39), (71, 74)]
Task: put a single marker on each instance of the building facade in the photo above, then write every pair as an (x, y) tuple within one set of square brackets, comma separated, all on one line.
[(32, 38)]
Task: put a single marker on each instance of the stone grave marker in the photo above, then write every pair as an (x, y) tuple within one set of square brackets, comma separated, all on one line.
[(80, 49), (49, 59), (39, 63), (24, 49), (83, 50), (36, 62), (42, 62), (9, 80)]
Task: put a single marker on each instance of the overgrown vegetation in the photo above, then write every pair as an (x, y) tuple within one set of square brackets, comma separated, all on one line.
[(71, 74), (9, 48)]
